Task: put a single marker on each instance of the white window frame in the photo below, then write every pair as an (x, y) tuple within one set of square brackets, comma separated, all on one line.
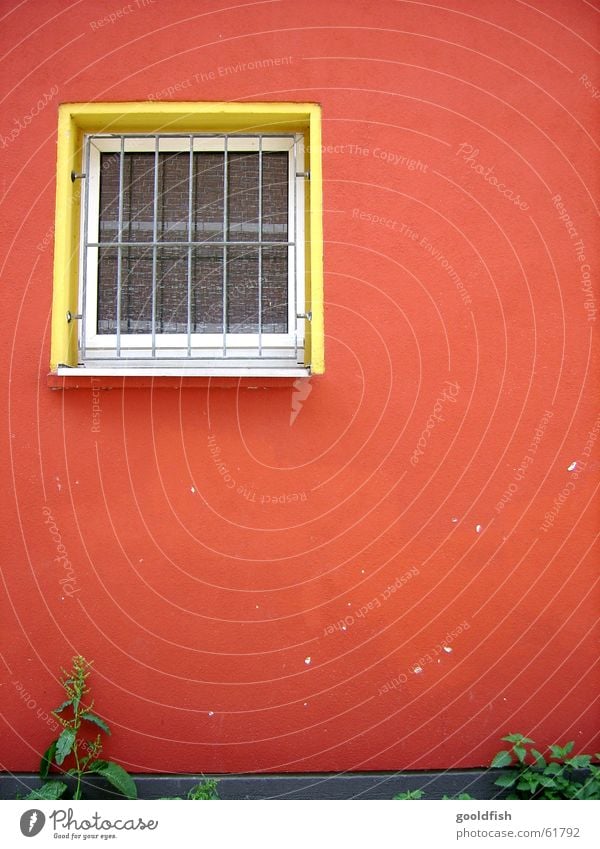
[(197, 349)]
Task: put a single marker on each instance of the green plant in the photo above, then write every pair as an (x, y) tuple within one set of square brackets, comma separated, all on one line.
[(205, 790), (418, 794), (460, 797), (71, 742), (531, 776), (410, 795)]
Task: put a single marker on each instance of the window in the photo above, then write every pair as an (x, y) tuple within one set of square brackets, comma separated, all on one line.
[(190, 249), (190, 240)]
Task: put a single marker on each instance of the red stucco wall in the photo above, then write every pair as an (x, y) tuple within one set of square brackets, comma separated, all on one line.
[(434, 456)]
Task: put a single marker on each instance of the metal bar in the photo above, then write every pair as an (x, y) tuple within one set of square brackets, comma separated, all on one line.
[(154, 244), (184, 363), (189, 268), (260, 198), (295, 278), (119, 246), (86, 203), (186, 244), (225, 229), (190, 135)]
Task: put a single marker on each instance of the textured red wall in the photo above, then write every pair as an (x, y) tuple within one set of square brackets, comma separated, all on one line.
[(435, 456)]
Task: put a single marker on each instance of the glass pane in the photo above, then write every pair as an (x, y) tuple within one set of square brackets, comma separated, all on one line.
[(171, 290), (173, 197), (207, 223), (274, 297), (109, 199), (207, 212), (242, 182), (107, 290), (207, 290), (172, 225), (275, 196), (138, 197), (242, 290), (136, 290)]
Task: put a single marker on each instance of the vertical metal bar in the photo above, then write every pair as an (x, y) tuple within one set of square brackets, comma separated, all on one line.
[(119, 245), (154, 248), (85, 196), (295, 248), (225, 231), (189, 266), (260, 224)]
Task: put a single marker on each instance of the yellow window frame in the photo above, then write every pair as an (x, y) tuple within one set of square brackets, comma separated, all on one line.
[(77, 119)]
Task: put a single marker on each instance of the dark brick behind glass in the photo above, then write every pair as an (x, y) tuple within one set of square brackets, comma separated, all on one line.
[(207, 226)]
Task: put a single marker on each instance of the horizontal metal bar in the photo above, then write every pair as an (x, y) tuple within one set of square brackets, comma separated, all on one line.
[(191, 135), (177, 358), (240, 244)]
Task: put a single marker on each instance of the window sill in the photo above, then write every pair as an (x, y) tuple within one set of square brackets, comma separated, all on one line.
[(169, 378)]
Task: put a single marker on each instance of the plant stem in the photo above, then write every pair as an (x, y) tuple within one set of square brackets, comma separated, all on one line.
[(76, 725)]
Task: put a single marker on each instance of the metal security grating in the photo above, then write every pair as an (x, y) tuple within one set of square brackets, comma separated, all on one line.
[(192, 248)]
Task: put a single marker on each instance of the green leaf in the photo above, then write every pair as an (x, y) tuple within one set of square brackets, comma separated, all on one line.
[(591, 790), (517, 738), (520, 752), (506, 780), (409, 795), (91, 717), (49, 790), (47, 759), (116, 775), (64, 744), (205, 790), (527, 782), (539, 758), (460, 797), (579, 762), (64, 705), (553, 769), (501, 759), (569, 747), (557, 752)]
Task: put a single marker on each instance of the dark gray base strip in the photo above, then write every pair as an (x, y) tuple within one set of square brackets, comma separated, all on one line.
[(355, 785)]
